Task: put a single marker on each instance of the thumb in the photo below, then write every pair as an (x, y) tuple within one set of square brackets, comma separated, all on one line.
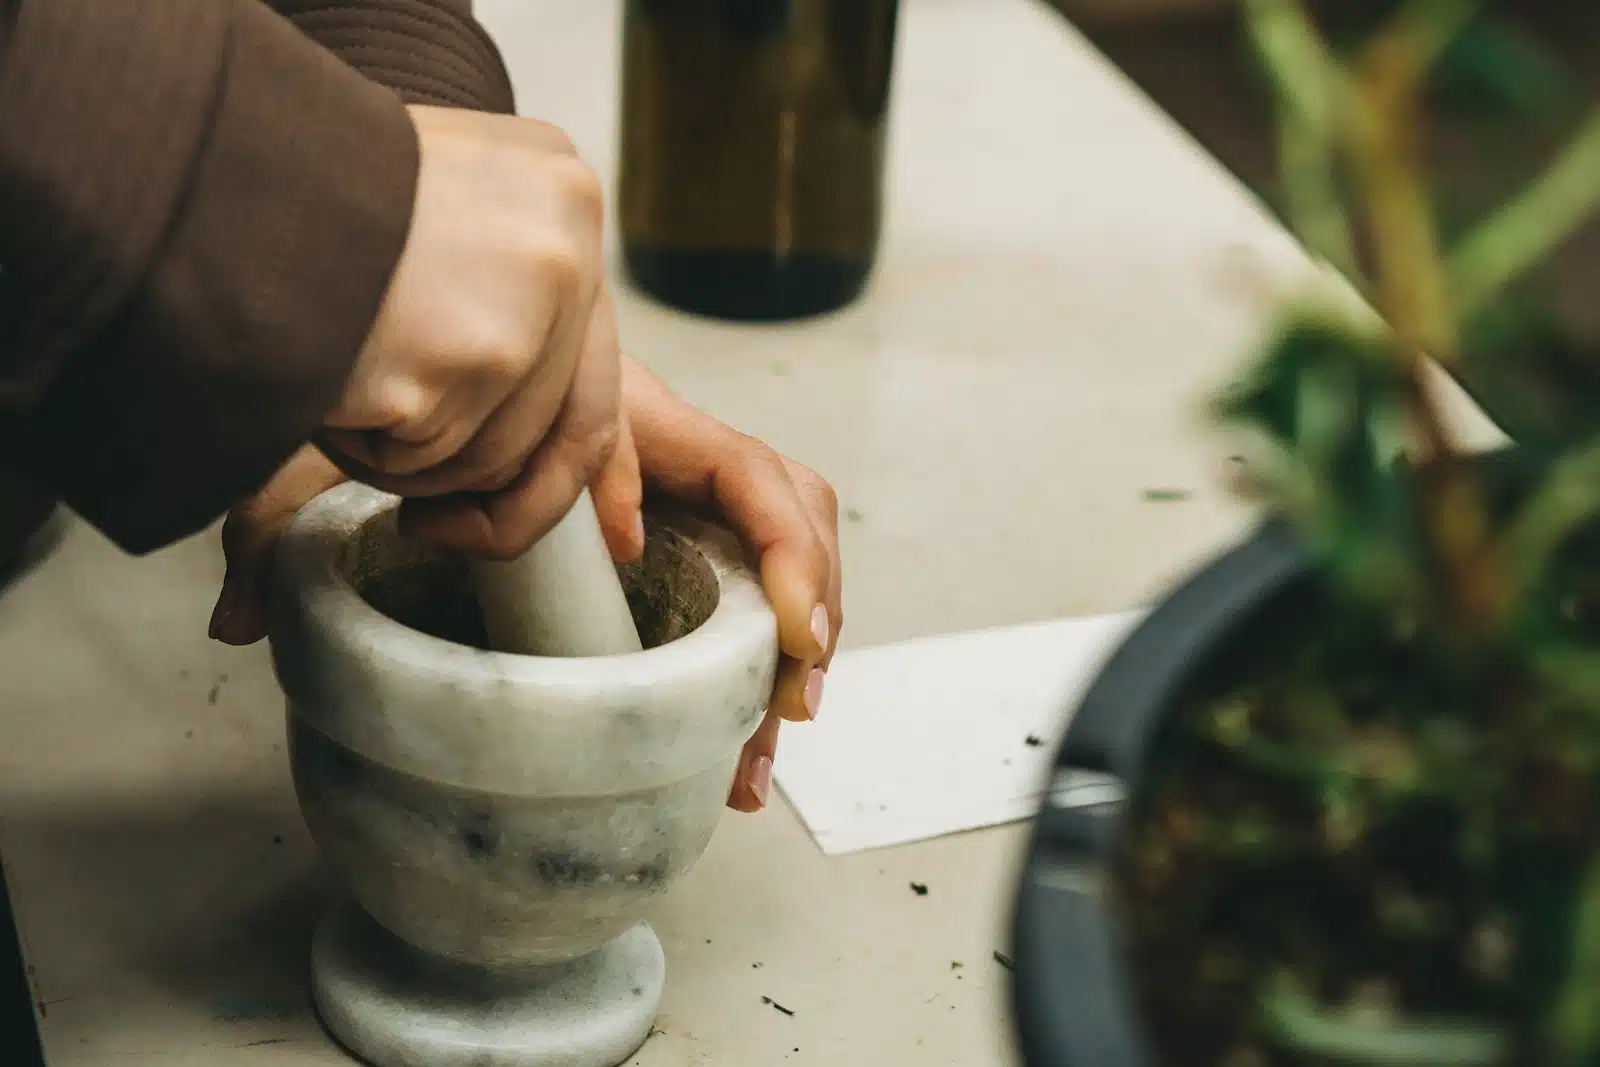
[(249, 536)]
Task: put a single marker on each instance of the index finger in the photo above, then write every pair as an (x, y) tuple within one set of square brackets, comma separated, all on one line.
[(822, 504)]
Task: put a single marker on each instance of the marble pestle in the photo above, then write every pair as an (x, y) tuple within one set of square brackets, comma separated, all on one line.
[(560, 598)]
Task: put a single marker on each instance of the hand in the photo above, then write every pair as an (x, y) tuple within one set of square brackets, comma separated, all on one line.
[(785, 513), (487, 391)]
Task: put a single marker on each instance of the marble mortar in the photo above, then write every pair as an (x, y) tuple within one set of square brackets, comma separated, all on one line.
[(501, 822)]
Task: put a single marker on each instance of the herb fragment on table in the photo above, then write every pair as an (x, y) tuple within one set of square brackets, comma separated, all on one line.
[(775, 1006), (919, 888), (1005, 961), (1166, 496)]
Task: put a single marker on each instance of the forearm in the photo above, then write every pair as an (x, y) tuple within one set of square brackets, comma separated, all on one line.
[(199, 214)]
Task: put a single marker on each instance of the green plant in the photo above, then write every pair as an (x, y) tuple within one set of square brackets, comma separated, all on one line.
[(1381, 843)]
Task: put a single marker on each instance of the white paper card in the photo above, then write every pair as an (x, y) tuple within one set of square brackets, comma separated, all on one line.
[(941, 734)]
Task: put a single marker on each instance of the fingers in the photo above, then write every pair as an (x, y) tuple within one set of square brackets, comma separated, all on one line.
[(619, 498), (698, 460), (503, 523), (465, 446), (470, 451), (490, 311), (822, 505), (798, 693), (752, 782), (249, 536), (425, 428), (793, 531)]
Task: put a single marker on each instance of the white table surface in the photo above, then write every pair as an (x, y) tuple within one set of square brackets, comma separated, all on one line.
[(1064, 276)]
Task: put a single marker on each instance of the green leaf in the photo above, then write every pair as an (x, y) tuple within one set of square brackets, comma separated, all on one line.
[(1566, 501), (1523, 233), (1531, 375), (1538, 544), (1299, 1024), (1304, 79), (1492, 68), (1333, 403)]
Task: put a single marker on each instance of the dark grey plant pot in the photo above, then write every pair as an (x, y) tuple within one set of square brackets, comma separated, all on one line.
[(1072, 1000)]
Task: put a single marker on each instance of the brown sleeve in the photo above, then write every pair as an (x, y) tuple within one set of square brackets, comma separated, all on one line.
[(199, 213), (428, 51)]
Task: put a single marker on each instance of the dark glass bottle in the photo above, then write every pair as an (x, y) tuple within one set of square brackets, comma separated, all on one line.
[(752, 151)]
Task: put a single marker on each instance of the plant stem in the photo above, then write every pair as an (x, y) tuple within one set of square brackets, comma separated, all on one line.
[(1414, 300), (1525, 231), (1409, 276), (1457, 519), (1416, 36), (1302, 77)]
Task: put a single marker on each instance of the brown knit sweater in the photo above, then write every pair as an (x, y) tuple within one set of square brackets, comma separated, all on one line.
[(201, 203)]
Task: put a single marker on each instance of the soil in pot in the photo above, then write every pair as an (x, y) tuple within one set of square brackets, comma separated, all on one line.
[(671, 588), (1349, 847)]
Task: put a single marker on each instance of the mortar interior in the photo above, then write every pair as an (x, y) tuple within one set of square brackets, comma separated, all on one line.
[(671, 589)]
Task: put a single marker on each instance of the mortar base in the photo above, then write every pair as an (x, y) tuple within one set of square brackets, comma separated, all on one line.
[(382, 1004)]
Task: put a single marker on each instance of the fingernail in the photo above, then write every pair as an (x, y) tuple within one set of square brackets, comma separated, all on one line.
[(638, 530), (760, 780), (819, 628), (227, 600), (814, 692)]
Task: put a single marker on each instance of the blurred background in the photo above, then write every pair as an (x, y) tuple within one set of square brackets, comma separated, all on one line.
[(1192, 58)]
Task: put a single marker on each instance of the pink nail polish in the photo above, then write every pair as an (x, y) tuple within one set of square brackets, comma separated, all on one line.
[(814, 692), (760, 780), (819, 627)]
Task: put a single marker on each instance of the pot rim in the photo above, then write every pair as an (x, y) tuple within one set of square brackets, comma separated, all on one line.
[(1070, 997), (326, 639), (310, 556)]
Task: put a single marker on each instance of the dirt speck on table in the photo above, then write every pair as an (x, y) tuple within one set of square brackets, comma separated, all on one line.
[(775, 1006)]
